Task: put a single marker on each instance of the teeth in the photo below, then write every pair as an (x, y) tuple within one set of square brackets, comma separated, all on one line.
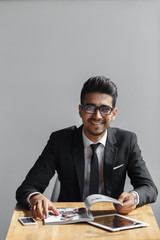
[(96, 123)]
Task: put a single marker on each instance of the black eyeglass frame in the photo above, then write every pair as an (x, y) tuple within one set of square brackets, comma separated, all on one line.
[(99, 108)]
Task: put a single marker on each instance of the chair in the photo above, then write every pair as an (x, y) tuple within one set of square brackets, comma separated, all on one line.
[(56, 190)]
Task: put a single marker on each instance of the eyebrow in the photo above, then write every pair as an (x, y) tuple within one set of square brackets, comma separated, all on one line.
[(90, 104), (96, 106)]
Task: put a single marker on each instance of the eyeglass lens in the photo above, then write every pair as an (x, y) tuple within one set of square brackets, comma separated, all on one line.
[(105, 110)]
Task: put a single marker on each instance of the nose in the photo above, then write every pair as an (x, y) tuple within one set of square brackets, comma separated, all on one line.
[(97, 114)]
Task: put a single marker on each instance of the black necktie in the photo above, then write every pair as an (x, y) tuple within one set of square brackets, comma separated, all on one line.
[(94, 172)]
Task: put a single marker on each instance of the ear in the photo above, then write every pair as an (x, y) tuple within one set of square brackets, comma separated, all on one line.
[(80, 110), (114, 114)]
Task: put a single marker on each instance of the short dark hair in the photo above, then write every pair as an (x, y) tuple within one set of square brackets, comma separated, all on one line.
[(99, 84)]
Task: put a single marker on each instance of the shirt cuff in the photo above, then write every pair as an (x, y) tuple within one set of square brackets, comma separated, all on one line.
[(30, 195)]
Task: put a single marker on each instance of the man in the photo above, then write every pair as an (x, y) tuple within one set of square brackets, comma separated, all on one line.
[(84, 168)]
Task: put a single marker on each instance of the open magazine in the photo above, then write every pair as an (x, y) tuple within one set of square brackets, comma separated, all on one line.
[(73, 215)]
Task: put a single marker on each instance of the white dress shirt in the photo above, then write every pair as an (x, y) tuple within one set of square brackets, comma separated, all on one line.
[(87, 159)]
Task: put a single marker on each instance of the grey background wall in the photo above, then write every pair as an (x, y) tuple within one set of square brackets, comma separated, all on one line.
[(47, 50)]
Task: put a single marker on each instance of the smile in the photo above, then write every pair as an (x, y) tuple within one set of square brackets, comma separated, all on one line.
[(96, 122)]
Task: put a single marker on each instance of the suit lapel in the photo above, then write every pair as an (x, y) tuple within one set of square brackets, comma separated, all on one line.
[(109, 158), (78, 157)]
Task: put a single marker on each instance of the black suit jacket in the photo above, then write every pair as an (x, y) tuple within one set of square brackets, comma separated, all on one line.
[(64, 153)]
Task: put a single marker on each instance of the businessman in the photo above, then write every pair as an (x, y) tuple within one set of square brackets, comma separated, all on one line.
[(93, 158)]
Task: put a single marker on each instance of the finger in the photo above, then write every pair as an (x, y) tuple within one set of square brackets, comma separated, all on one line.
[(128, 207), (128, 203), (39, 211), (53, 208), (33, 211), (123, 198), (124, 210), (45, 208)]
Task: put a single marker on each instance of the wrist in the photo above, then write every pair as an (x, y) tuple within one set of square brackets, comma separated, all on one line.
[(135, 196), (33, 198)]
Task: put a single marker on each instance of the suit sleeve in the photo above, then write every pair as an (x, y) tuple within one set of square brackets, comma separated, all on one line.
[(40, 174), (139, 175)]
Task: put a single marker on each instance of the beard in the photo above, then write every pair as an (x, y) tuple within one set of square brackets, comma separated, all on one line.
[(96, 133)]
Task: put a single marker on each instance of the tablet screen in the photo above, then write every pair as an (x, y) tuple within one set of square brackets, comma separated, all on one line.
[(115, 221)]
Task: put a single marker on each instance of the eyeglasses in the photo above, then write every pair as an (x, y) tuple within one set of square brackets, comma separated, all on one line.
[(104, 109)]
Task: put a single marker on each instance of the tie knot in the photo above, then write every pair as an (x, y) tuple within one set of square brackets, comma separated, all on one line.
[(94, 147)]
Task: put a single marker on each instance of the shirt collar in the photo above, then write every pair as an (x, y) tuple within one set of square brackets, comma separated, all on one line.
[(87, 142)]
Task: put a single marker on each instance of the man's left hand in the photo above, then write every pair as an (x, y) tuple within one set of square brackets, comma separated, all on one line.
[(128, 203)]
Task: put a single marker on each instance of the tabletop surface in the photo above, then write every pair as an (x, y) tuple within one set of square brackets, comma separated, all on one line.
[(83, 230)]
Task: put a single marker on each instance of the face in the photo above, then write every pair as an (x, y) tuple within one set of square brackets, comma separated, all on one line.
[(95, 124)]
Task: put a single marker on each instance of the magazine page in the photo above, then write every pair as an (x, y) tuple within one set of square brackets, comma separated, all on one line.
[(95, 198), (68, 215)]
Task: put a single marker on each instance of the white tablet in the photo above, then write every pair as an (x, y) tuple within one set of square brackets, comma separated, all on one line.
[(116, 222)]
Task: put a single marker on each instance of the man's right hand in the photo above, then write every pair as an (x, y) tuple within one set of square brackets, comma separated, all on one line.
[(41, 205)]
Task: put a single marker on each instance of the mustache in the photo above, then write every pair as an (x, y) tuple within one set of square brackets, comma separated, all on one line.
[(98, 121)]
